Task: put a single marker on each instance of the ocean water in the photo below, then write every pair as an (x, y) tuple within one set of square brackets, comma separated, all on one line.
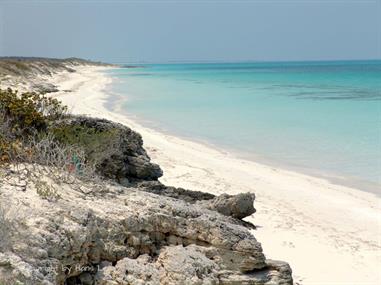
[(323, 118)]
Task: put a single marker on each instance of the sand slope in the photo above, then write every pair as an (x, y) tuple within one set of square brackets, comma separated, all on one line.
[(329, 234)]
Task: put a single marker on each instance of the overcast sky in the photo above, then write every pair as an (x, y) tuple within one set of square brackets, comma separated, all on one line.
[(162, 31)]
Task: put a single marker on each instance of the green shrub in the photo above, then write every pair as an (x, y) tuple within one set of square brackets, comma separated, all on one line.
[(29, 111), (91, 139), (23, 117), (30, 133)]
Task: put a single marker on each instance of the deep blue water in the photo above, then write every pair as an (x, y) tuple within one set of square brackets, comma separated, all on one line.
[(321, 117)]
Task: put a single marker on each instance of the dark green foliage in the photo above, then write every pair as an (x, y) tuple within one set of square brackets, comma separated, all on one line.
[(23, 117), (93, 141), (29, 111)]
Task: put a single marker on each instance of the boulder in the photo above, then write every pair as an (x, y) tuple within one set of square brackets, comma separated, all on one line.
[(237, 206)]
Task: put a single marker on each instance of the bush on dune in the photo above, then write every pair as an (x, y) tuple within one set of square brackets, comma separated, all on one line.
[(24, 133), (29, 111)]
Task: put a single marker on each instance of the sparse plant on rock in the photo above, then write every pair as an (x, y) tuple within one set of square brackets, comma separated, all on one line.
[(46, 191)]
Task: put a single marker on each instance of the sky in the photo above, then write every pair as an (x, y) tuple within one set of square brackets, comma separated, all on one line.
[(192, 30)]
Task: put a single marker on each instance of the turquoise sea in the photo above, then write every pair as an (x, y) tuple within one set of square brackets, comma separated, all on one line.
[(322, 118)]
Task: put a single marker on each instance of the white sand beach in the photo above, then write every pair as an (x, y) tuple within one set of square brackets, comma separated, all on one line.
[(330, 234)]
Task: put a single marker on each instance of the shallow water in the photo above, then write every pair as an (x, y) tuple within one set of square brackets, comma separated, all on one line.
[(322, 117)]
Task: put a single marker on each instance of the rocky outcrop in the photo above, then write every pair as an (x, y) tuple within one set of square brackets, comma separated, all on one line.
[(186, 265), (116, 150), (105, 233), (177, 193), (118, 154), (237, 206)]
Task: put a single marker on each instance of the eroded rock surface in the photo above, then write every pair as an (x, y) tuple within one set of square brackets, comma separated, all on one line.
[(104, 233)]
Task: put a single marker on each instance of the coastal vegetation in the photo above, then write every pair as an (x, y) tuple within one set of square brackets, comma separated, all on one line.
[(24, 119), (26, 66)]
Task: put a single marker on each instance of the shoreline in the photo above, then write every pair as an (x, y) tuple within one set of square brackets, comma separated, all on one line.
[(115, 103), (304, 217), (350, 182)]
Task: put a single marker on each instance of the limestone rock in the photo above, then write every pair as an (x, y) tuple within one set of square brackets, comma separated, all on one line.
[(187, 265), (237, 206), (178, 193), (120, 235), (140, 271)]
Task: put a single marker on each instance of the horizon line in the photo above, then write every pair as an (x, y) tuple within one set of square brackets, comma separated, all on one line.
[(197, 61), (242, 61)]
